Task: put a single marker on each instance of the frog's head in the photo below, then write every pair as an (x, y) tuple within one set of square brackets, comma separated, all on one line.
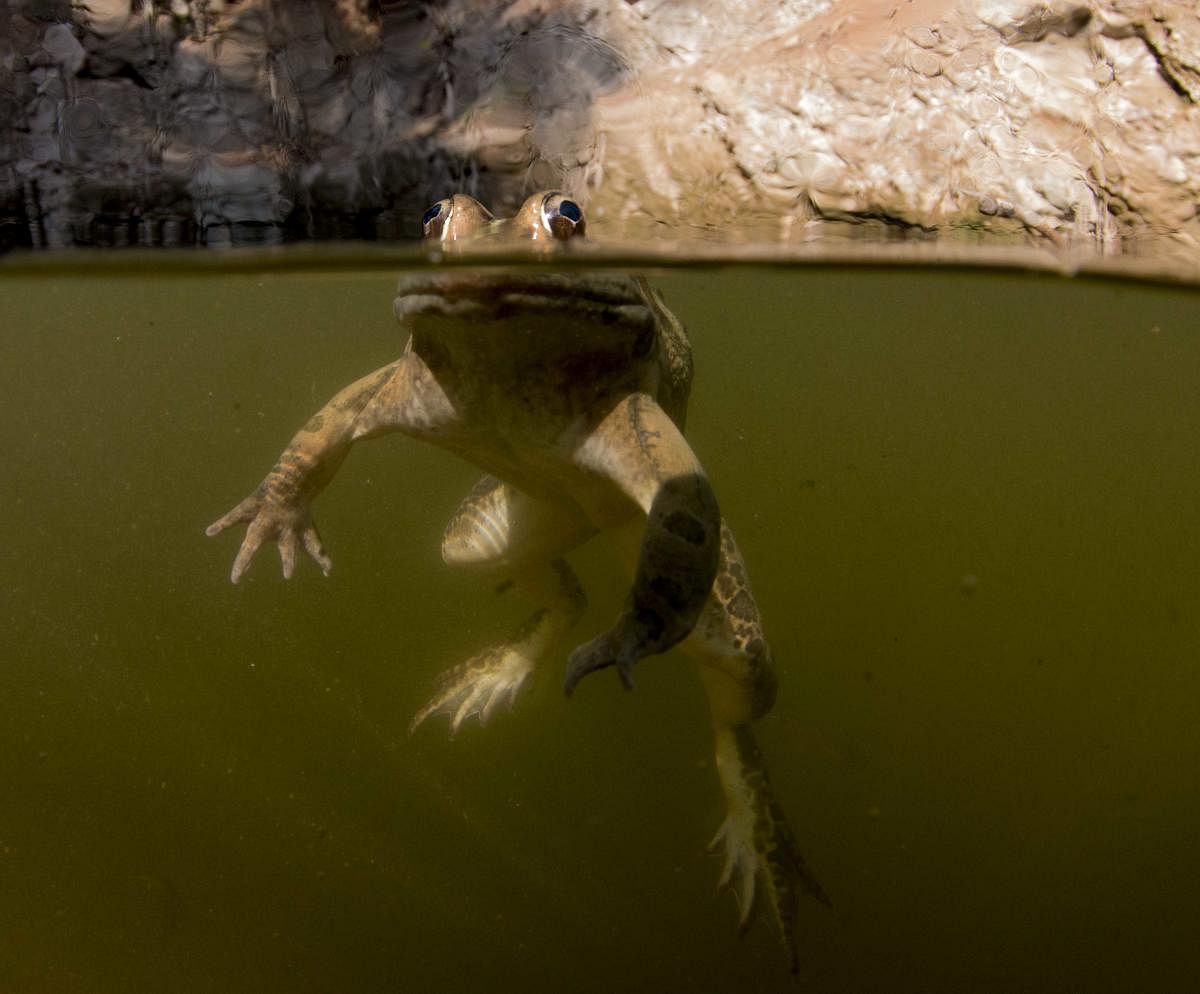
[(548, 219)]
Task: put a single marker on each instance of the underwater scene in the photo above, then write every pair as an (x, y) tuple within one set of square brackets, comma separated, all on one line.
[(967, 502)]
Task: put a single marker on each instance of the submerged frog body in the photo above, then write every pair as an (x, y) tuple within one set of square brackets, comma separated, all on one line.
[(570, 392)]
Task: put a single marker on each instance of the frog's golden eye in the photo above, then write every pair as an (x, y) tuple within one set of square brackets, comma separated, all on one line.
[(563, 217), (433, 221), (456, 218)]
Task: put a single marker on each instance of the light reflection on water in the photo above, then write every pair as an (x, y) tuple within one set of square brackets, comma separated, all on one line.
[(967, 502)]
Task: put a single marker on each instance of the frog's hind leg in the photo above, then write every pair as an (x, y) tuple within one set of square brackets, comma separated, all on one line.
[(763, 865), (518, 541)]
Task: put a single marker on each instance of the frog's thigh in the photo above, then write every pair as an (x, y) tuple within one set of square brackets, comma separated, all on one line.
[(728, 642), (507, 533), (499, 527)]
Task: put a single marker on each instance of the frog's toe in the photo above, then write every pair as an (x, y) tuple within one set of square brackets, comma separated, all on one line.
[(741, 867), (477, 687)]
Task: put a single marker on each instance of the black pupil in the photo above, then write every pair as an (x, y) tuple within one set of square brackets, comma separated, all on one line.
[(570, 210), (430, 214)]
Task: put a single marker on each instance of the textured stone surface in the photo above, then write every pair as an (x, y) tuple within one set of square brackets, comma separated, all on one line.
[(1067, 123), (1060, 123)]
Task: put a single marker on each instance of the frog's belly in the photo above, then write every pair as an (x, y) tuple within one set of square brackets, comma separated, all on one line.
[(548, 473)]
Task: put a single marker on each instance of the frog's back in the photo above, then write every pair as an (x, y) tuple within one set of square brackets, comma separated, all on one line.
[(674, 355)]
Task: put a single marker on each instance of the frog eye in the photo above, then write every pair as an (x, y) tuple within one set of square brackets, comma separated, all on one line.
[(433, 221), (563, 217), (457, 218)]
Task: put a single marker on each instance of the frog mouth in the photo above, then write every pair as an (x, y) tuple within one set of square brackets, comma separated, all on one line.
[(476, 296)]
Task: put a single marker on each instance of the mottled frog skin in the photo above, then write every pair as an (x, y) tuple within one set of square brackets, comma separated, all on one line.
[(570, 392)]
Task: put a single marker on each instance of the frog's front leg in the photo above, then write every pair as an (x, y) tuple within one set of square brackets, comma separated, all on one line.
[(638, 448), (401, 396)]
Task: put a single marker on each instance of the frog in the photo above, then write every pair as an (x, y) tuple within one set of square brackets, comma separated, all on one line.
[(569, 390)]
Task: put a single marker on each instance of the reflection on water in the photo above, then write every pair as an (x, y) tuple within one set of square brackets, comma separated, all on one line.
[(967, 501)]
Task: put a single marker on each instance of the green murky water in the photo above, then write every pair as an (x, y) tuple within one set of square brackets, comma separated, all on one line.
[(969, 504)]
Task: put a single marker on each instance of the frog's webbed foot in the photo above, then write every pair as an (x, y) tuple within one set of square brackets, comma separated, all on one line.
[(478, 687), (741, 867), (495, 676), (763, 866)]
